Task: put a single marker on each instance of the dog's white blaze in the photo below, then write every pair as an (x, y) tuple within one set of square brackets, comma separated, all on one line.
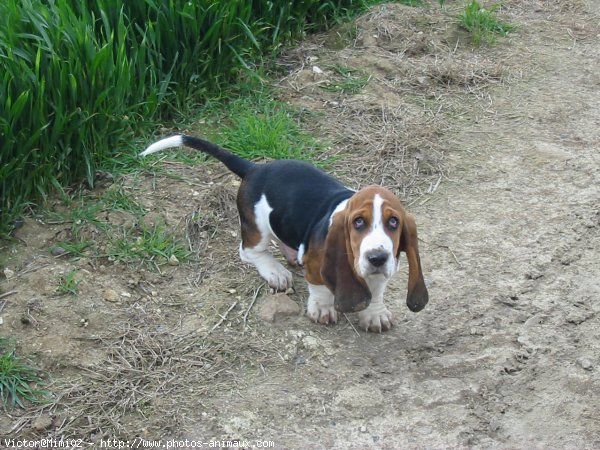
[(377, 239), (173, 141)]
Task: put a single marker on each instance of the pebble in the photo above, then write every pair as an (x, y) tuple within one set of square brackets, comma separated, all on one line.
[(8, 273), (585, 363), (57, 250), (494, 424), (110, 296), (424, 430), (42, 423), (299, 359), (173, 261), (277, 305)]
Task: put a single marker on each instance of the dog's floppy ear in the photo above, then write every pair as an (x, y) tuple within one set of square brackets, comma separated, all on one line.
[(350, 291), (417, 296)]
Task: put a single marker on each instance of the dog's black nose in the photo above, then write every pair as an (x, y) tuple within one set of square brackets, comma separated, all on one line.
[(377, 257)]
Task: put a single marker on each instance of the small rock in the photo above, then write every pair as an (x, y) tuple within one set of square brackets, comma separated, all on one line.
[(494, 424), (277, 305), (363, 429), (422, 81), (317, 70), (9, 273), (579, 316), (125, 294), (173, 261), (57, 250), (299, 359), (110, 296), (42, 423), (1, 320), (424, 430), (585, 363)]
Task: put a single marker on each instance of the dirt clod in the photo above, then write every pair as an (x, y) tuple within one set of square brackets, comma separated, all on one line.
[(277, 305), (42, 423), (110, 295)]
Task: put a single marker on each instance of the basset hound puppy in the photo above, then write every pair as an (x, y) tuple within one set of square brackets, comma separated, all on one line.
[(349, 242)]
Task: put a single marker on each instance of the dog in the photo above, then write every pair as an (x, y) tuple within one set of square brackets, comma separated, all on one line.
[(348, 242)]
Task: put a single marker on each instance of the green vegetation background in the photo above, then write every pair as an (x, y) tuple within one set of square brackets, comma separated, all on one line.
[(80, 79)]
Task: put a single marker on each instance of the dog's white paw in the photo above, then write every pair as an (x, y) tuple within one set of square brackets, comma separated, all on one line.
[(320, 307), (277, 276), (376, 318), (321, 314)]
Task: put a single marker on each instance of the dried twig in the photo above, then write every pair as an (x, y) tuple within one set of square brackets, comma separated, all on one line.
[(355, 330), (256, 292), (223, 317), (6, 294), (447, 248)]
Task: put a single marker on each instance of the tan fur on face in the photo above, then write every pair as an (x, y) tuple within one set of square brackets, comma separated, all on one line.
[(361, 205), (335, 264)]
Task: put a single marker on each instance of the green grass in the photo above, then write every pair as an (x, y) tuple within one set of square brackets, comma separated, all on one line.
[(261, 127), (117, 199), (411, 2), (68, 284), (350, 81), (73, 248), (19, 382), (79, 80), (482, 23), (152, 246), (128, 243), (79, 211)]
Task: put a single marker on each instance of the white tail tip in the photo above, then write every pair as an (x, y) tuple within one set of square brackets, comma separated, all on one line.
[(173, 141)]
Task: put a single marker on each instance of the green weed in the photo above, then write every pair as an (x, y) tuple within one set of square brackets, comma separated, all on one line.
[(116, 198), (68, 284), (411, 2), (152, 246), (18, 381), (73, 248), (482, 24), (352, 80), (78, 211), (79, 79), (261, 127)]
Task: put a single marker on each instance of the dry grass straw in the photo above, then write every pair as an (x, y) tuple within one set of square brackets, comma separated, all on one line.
[(397, 131), (149, 376)]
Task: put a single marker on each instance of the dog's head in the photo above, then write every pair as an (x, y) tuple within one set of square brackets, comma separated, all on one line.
[(363, 247)]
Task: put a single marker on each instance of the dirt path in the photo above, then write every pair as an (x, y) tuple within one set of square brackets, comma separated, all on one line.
[(507, 354), (495, 149)]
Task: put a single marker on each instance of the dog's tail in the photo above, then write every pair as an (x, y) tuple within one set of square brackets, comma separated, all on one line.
[(236, 164)]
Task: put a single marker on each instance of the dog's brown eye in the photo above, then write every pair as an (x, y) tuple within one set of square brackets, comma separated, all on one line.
[(359, 223), (393, 223)]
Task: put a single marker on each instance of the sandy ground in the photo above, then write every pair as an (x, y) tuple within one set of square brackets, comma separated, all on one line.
[(493, 149)]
